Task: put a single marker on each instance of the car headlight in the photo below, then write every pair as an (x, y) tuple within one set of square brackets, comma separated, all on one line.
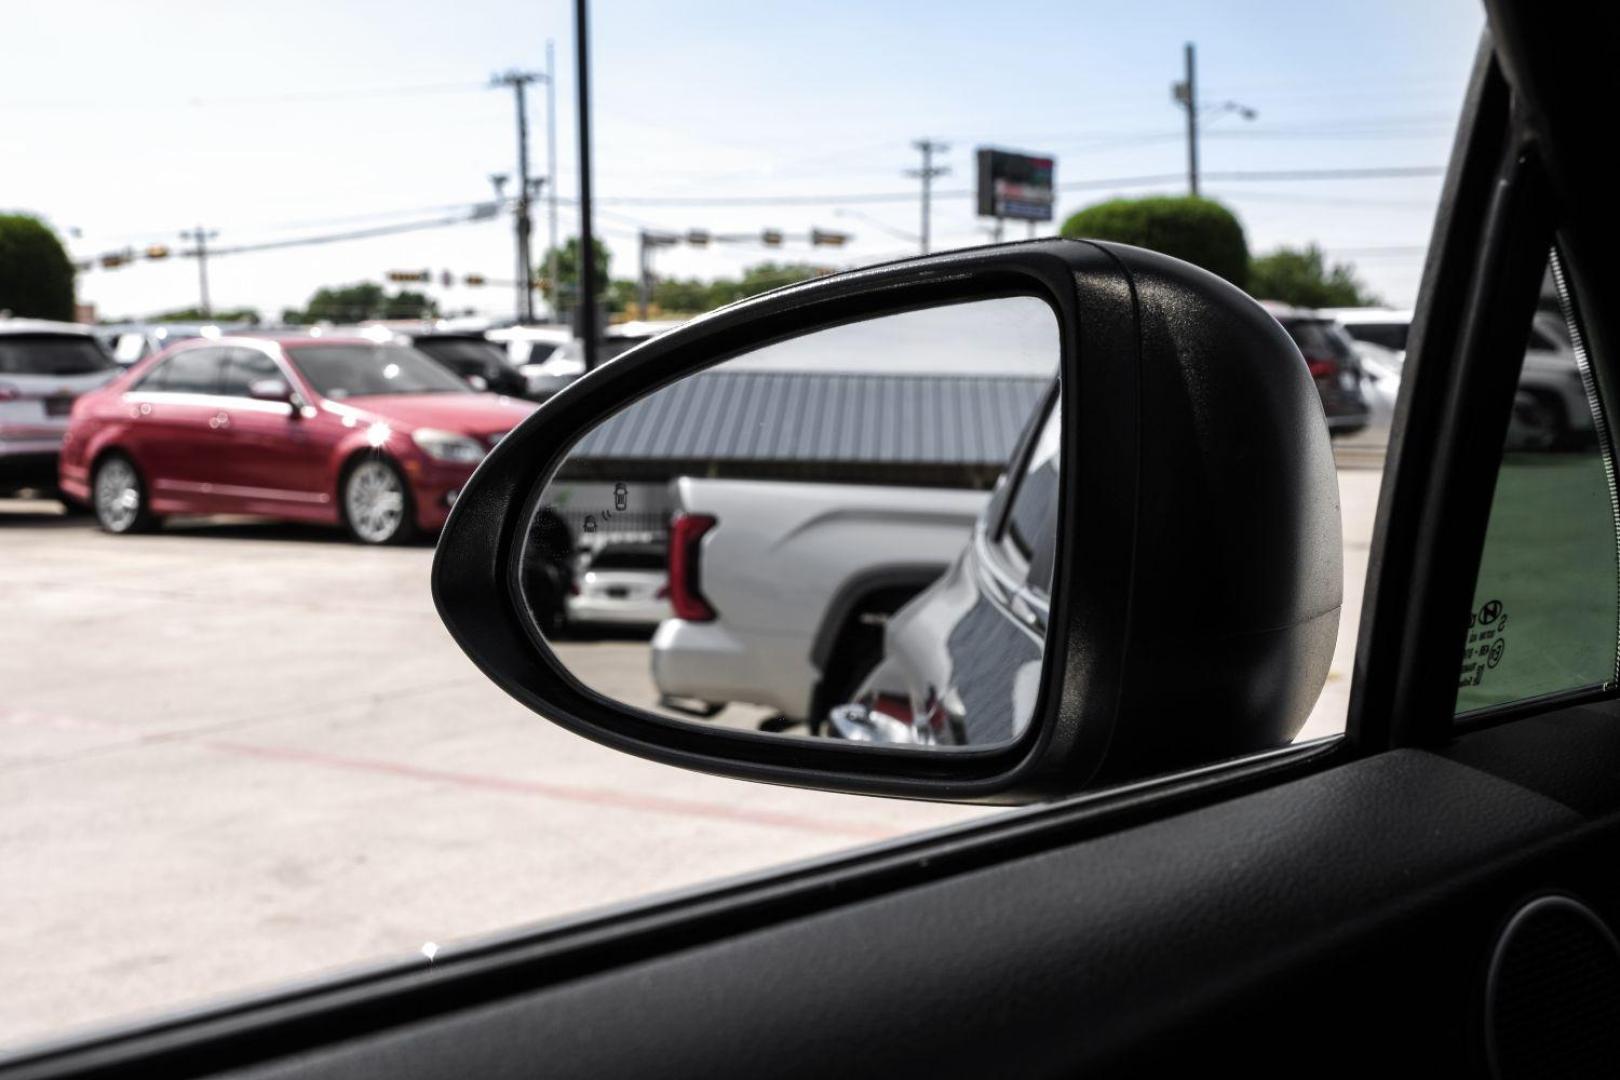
[(448, 446)]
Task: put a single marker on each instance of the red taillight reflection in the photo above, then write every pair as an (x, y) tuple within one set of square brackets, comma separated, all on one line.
[(685, 595), (9, 392), (1321, 367)]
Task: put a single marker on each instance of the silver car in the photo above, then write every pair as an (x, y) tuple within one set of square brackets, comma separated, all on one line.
[(621, 584), (44, 366)]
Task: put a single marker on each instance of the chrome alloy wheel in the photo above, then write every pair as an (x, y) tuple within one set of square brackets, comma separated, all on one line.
[(117, 495), (375, 500)]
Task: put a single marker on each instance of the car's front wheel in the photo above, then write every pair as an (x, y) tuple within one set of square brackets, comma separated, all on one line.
[(377, 503), (118, 497)]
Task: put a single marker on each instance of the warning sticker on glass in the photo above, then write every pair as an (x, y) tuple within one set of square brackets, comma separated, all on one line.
[(1487, 643)]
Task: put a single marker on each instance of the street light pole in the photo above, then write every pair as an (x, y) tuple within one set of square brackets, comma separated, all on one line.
[(551, 176), (1185, 94)]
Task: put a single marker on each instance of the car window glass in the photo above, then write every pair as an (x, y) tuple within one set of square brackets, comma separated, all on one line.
[(1031, 528), (1544, 614), (243, 749), (195, 371), (51, 354), (345, 371), (242, 368)]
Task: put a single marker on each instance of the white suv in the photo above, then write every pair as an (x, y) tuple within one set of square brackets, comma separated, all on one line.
[(44, 366)]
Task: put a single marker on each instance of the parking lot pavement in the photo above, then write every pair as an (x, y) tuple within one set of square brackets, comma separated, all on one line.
[(236, 753)]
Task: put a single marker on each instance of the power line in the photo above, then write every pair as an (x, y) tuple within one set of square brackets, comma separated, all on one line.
[(1381, 172), (294, 97)]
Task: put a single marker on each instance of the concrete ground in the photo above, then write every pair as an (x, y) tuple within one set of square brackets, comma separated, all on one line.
[(233, 754)]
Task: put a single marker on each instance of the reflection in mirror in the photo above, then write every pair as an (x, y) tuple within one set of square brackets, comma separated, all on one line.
[(848, 535)]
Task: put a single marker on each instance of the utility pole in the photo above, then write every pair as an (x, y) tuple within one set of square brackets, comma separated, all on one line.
[(551, 176), (1185, 94), (519, 82), (200, 236), (586, 322), (927, 173)]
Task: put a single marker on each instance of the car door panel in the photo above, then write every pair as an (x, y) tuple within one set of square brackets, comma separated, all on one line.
[(174, 413), (1085, 954), (278, 461)]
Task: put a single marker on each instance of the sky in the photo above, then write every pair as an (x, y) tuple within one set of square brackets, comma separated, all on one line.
[(123, 124)]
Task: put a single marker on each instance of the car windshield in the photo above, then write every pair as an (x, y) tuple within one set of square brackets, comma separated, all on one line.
[(347, 371), (464, 356), (1319, 338), (51, 354)]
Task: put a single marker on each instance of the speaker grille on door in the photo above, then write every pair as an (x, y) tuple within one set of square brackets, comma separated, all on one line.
[(1552, 997)]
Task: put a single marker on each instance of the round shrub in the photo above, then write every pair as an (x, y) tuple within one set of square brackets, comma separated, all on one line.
[(1200, 231)]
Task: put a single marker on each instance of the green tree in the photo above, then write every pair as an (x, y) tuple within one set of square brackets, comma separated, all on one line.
[(36, 275), (769, 275), (1304, 277), (622, 295), (568, 270), (1200, 231), (247, 315), (359, 302), (407, 304), (683, 294)]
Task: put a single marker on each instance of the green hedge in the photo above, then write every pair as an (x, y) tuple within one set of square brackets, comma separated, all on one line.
[(1201, 231), (36, 276)]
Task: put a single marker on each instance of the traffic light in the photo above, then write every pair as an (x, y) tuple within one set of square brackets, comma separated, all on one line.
[(697, 237), (827, 238), (158, 251), (473, 281), (402, 276), (771, 237), (114, 259), (446, 279)]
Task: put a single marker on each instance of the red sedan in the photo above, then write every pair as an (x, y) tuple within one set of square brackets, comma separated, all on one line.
[(375, 437)]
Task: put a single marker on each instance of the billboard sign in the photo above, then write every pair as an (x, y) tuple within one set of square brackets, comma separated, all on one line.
[(1017, 186)]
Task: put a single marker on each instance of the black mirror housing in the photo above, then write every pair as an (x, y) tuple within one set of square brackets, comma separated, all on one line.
[(1196, 596)]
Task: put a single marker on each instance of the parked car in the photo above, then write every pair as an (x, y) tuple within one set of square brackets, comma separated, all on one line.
[(621, 585), (131, 343), (743, 631), (958, 667), (467, 353), (1551, 410), (44, 367), (541, 355), (1333, 364), (551, 357), (339, 431)]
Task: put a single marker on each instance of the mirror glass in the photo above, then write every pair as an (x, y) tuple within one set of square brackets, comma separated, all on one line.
[(848, 534)]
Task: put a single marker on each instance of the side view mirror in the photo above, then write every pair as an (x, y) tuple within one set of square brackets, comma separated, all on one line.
[(991, 526), (270, 390)]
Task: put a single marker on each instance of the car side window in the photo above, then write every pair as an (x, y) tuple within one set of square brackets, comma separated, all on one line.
[(1029, 535), (195, 371), (1545, 612), (244, 367)]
